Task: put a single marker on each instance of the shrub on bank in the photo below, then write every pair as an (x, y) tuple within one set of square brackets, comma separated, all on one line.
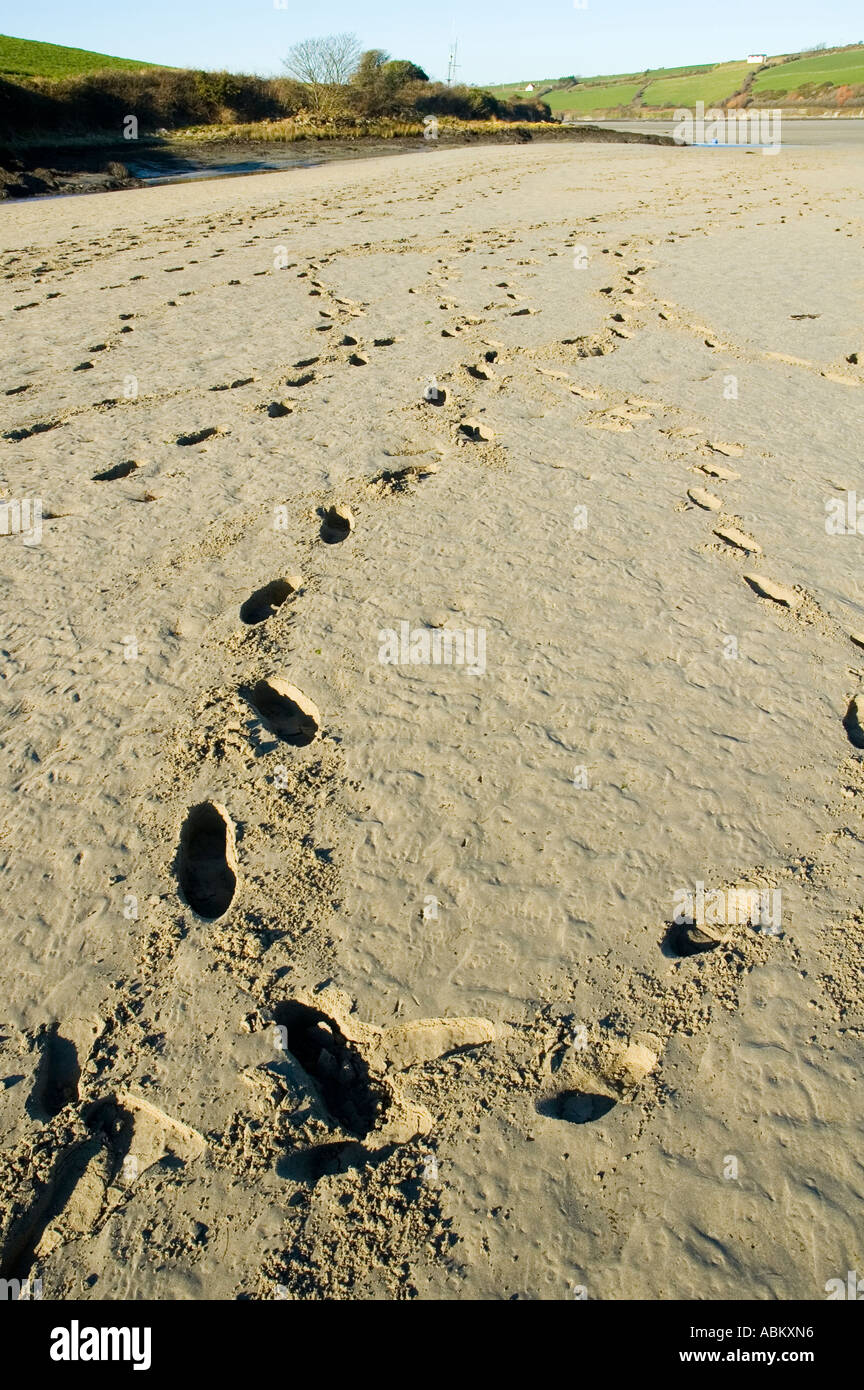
[(170, 98)]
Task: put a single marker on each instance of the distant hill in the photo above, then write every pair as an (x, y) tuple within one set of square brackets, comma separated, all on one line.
[(821, 78), (27, 58)]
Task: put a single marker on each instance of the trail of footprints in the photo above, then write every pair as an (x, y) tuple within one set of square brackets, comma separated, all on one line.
[(82, 1172), (355, 1069), (793, 600)]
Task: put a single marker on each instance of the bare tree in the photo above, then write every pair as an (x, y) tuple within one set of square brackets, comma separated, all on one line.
[(324, 62)]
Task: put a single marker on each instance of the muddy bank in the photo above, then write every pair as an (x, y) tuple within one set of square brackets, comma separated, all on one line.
[(21, 177), (60, 169)]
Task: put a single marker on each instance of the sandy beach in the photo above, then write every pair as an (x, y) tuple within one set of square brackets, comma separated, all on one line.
[(342, 849)]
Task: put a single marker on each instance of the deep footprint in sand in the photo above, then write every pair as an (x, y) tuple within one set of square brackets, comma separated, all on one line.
[(338, 524), (351, 1094), (577, 1107), (263, 603), (120, 1138), (197, 438), (684, 939), (476, 431), (56, 1083), (285, 711), (853, 720), (120, 470), (207, 860)]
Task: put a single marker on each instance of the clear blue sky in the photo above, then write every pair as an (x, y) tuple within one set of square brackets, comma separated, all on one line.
[(499, 40)]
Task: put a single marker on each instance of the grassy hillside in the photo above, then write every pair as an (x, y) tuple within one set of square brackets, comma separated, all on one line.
[(27, 58), (713, 87), (584, 99), (840, 69), (819, 79)]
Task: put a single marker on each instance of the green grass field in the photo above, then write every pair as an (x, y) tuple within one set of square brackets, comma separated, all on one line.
[(710, 87), (604, 80), (584, 99), (27, 58), (837, 68), (713, 83)]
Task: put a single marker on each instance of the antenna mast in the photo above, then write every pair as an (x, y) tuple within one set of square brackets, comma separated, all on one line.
[(452, 65)]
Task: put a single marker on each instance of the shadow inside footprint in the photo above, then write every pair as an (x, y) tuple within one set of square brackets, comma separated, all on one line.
[(120, 470), (25, 1233), (264, 602), (92, 1162), (852, 723), (686, 939), (207, 861), (57, 1078), (577, 1107), (347, 1088), (197, 437), (284, 710), (337, 524), (476, 432)]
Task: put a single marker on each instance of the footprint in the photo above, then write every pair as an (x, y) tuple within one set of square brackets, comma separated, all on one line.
[(263, 603), (277, 409), (207, 860), (351, 1094), (577, 1107), (357, 361), (738, 539), (400, 479), (68, 1206), (778, 593), (198, 437), (706, 500), (477, 432), (232, 385), (302, 380), (120, 470), (853, 720), (337, 525), (121, 1137), (285, 710), (28, 431), (716, 470), (686, 939), (57, 1077)]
